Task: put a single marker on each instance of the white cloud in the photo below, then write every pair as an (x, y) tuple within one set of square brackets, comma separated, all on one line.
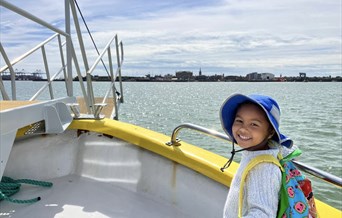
[(231, 37)]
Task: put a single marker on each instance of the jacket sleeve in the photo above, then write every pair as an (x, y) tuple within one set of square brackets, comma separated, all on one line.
[(261, 190)]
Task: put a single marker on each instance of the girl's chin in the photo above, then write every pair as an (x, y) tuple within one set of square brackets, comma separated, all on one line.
[(245, 145)]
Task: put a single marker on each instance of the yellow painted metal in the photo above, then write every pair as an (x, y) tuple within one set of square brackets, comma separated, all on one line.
[(196, 158), (21, 131)]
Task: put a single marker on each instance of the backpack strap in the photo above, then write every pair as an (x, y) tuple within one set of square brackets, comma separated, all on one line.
[(289, 157), (255, 161)]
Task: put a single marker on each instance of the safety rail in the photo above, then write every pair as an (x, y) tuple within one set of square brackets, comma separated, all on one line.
[(119, 96), (68, 59), (306, 168), (9, 66)]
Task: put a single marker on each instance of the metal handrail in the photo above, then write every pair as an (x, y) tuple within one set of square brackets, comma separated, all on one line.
[(41, 46), (29, 52), (35, 96), (175, 142), (70, 57), (116, 97), (328, 177), (31, 17)]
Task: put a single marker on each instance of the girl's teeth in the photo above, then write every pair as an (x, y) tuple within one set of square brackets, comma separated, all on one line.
[(244, 137)]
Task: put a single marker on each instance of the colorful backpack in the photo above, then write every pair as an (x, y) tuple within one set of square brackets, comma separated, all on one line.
[(296, 196)]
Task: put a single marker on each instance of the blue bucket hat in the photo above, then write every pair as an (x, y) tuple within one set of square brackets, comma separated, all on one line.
[(269, 105)]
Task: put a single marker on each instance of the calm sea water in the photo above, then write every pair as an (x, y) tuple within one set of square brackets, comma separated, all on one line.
[(311, 116)]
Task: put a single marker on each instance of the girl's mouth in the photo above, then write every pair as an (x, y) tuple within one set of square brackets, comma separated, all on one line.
[(245, 138)]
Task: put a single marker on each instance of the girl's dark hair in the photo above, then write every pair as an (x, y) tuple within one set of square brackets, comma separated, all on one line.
[(263, 112)]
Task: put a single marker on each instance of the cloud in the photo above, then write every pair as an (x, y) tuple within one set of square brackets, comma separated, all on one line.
[(231, 37)]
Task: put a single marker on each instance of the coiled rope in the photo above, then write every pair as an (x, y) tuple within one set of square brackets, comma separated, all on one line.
[(9, 187)]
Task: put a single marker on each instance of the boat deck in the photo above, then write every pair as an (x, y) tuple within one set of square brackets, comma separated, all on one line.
[(5, 105), (75, 196), (107, 110)]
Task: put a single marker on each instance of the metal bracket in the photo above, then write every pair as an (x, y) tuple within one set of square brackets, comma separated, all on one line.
[(174, 143), (75, 109), (98, 108)]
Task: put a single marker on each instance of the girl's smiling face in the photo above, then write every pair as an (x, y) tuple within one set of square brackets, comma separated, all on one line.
[(251, 126)]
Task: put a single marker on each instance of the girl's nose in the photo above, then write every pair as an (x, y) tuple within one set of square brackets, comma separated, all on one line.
[(243, 129)]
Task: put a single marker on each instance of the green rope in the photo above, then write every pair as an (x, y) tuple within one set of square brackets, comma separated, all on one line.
[(9, 187)]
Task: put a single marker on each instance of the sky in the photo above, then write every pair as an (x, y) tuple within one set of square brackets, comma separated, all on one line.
[(230, 37)]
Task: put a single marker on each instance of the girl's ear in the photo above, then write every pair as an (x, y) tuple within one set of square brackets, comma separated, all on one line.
[(271, 133)]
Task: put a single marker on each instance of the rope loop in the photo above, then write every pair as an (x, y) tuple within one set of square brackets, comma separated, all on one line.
[(9, 187)]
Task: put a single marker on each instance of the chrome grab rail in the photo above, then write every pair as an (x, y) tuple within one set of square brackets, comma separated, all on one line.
[(319, 173), (328, 177), (175, 142)]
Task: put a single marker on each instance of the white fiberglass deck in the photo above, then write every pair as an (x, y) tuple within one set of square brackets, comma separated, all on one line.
[(98, 176), (75, 196)]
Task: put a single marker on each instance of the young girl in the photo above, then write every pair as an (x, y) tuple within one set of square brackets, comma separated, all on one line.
[(253, 123)]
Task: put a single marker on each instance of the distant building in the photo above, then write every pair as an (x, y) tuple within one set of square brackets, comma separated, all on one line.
[(216, 78), (184, 75), (267, 76), (259, 76), (168, 77), (253, 76), (302, 75)]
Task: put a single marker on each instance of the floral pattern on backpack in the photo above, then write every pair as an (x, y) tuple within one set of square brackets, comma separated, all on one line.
[(296, 199)]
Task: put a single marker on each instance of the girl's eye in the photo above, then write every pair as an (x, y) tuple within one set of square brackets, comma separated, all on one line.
[(254, 124), (238, 120)]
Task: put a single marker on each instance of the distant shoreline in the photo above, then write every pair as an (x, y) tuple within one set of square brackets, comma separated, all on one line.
[(216, 78), (193, 81), (190, 79)]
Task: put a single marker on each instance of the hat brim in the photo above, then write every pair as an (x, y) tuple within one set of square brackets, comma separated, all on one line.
[(228, 111), (227, 116)]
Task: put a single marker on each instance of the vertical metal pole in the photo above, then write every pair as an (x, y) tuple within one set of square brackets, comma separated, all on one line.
[(79, 35), (47, 72), (120, 78), (3, 53), (62, 59), (119, 66), (80, 78), (90, 95), (68, 49), (116, 108), (3, 91)]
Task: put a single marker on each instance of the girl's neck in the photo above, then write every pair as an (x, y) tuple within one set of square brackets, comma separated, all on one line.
[(261, 146)]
